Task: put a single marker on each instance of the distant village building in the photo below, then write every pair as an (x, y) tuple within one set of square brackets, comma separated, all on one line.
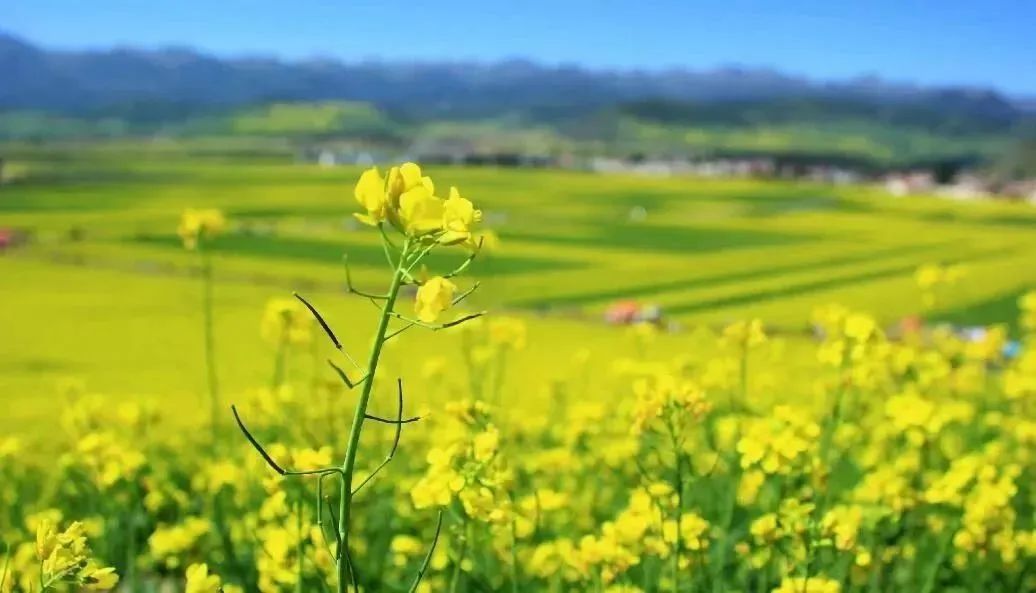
[(966, 186), (674, 166), (1022, 191), (832, 174), (334, 156), (959, 184), (903, 183), (327, 159), (443, 151), (734, 167)]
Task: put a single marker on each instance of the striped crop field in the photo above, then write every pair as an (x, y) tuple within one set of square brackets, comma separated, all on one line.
[(570, 243)]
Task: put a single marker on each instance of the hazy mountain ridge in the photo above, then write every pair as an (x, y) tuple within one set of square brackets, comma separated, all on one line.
[(125, 81)]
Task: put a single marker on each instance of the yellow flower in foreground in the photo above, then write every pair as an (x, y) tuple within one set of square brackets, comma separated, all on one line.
[(370, 193), (458, 218), (65, 557), (200, 581), (196, 225), (407, 200), (485, 444), (434, 297), (404, 178), (420, 212)]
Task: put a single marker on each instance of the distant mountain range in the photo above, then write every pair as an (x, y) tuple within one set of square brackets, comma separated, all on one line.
[(82, 82), (143, 90)]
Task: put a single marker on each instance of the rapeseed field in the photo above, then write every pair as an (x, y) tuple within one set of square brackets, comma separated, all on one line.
[(203, 395)]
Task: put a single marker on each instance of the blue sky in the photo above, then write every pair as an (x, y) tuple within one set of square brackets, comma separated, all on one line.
[(985, 43)]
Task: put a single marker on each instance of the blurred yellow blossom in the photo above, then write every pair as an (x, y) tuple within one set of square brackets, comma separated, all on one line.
[(200, 225)]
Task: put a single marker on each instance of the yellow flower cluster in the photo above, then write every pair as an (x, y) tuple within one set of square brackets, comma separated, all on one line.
[(745, 334), (921, 419), (106, 457), (406, 199), (1020, 377), (667, 399), (983, 491), (200, 580), (788, 531), (468, 468), (780, 444), (281, 536), (169, 544), (286, 321), (200, 225), (65, 557), (637, 532)]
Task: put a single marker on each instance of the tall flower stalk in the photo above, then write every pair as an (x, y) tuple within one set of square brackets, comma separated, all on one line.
[(197, 230), (404, 202)]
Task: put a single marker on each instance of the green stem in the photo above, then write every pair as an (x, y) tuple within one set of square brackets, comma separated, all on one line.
[(944, 547), (514, 557), (349, 465), (677, 450), (455, 577), (827, 438), (300, 546), (131, 537), (210, 340), (226, 542)]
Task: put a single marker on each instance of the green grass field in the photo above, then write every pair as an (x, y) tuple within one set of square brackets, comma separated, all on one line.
[(105, 292)]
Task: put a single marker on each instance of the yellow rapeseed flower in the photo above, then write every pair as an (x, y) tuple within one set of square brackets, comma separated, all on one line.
[(197, 225), (434, 297), (458, 218), (370, 193), (200, 581), (65, 557), (404, 178), (420, 212)]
